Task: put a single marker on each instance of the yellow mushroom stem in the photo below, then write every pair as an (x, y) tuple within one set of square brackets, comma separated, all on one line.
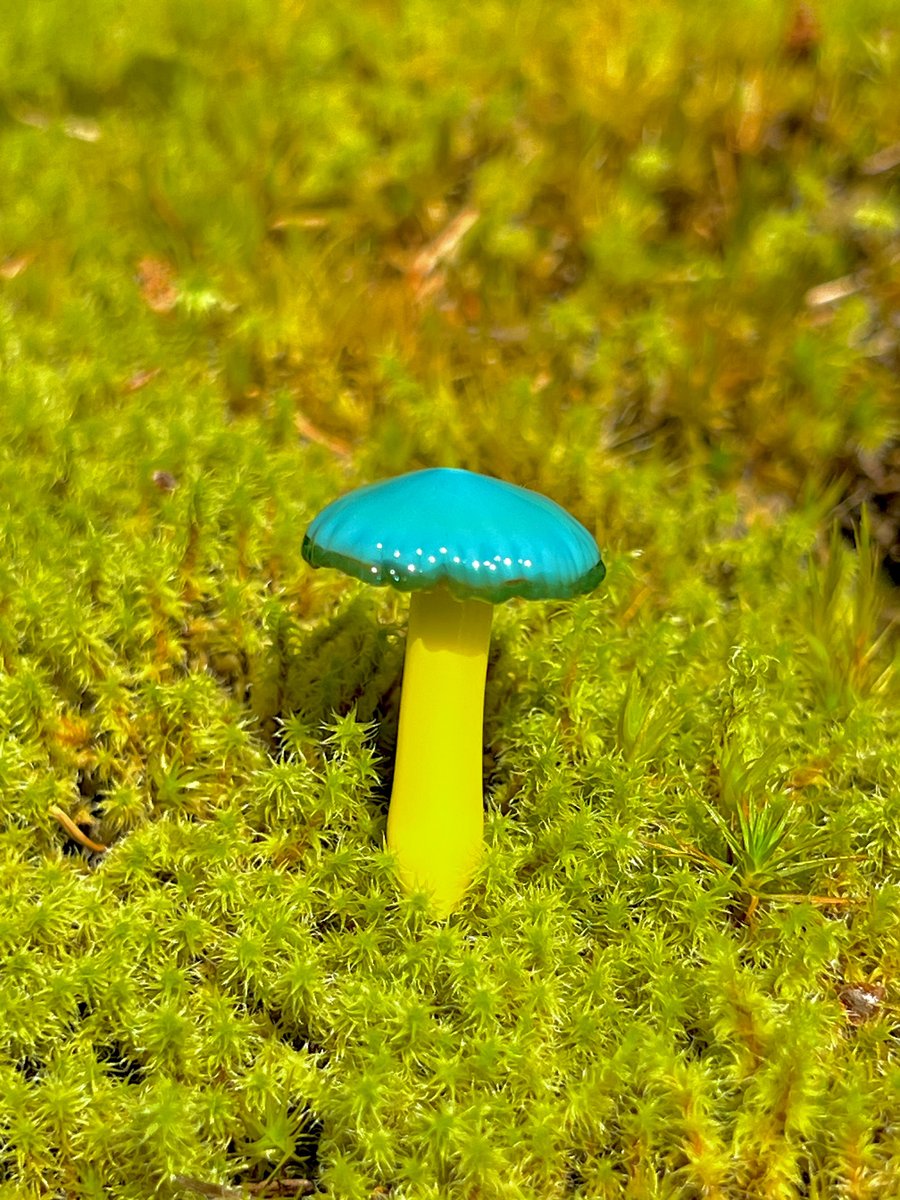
[(436, 817)]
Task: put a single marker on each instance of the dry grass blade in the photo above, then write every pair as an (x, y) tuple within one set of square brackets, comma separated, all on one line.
[(312, 433), (882, 160), (832, 291), (421, 271), (74, 832)]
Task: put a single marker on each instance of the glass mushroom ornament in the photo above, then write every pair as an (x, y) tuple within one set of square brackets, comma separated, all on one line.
[(459, 543)]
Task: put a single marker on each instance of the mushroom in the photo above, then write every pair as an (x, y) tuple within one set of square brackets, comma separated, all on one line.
[(460, 543)]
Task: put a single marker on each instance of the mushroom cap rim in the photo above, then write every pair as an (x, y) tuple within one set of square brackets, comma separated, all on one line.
[(436, 527)]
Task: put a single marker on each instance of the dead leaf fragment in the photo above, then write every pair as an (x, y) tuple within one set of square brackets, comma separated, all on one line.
[(73, 731), (141, 378), (34, 119), (15, 264), (82, 129), (804, 33), (882, 160), (861, 1000), (165, 481), (832, 291), (156, 279)]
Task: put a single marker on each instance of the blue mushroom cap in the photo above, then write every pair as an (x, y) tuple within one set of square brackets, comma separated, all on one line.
[(481, 537)]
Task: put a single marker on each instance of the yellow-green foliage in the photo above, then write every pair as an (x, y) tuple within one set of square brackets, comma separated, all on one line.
[(255, 253)]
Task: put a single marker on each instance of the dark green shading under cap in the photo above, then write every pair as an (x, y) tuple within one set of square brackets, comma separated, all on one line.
[(481, 537)]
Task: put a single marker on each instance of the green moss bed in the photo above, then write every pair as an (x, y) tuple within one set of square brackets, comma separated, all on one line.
[(641, 258)]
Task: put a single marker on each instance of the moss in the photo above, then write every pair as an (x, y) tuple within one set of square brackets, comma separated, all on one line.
[(253, 259)]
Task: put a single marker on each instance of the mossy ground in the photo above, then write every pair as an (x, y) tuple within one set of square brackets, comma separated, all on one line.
[(256, 253)]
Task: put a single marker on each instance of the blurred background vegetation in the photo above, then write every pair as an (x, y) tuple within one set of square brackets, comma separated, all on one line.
[(641, 257), (520, 238)]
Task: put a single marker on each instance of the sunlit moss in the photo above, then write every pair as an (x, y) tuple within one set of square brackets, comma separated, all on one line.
[(256, 255)]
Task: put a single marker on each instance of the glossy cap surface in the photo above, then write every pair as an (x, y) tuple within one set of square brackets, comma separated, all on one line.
[(481, 537)]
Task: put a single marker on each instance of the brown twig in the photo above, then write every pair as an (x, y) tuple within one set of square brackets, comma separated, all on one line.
[(274, 1188)]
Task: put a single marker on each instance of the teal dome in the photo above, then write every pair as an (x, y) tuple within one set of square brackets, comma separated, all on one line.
[(479, 536)]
